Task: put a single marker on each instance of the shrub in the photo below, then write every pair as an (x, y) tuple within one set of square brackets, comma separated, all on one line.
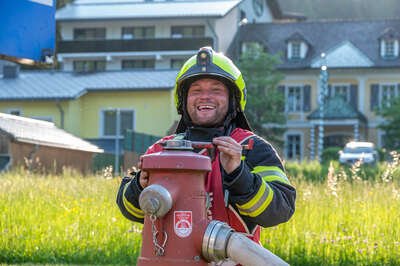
[(330, 154), (305, 170)]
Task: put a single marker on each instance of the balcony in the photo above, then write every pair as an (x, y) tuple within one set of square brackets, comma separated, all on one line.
[(138, 45)]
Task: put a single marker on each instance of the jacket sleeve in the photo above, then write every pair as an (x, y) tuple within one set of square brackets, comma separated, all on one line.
[(259, 189), (128, 198), (130, 189)]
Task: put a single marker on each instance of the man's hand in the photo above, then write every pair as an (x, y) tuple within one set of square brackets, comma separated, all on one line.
[(143, 177), (230, 153)]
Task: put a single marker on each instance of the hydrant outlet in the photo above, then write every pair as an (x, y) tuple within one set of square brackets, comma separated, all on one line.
[(155, 200), (215, 241)]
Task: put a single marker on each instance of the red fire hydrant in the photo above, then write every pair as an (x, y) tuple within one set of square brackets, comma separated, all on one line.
[(176, 206), (176, 228)]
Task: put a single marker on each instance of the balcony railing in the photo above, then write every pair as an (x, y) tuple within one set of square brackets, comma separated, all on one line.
[(138, 45)]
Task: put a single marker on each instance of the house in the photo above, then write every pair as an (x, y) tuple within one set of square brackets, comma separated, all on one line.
[(342, 9), (99, 35), (362, 63), (89, 105), (119, 59), (39, 144)]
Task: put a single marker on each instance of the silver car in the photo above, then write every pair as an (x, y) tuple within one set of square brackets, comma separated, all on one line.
[(354, 151)]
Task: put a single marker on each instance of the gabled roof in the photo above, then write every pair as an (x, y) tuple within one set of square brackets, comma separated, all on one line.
[(337, 108), (342, 56), (131, 9), (296, 37), (322, 37), (34, 131), (389, 33), (47, 85)]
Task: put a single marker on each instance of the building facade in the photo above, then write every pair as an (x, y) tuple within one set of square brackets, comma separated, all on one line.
[(362, 64), (119, 59), (98, 35)]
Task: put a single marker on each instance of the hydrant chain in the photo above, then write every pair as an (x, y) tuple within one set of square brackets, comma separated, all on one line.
[(159, 250)]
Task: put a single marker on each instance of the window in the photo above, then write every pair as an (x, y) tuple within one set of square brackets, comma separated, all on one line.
[(389, 48), (86, 34), (187, 31), (294, 99), (252, 47), (297, 98), (293, 145), (340, 90), (296, 50), (89, 65), (129, 33), (387, 93), (177, 63), (109, 121), (296, 46), (138, 64)]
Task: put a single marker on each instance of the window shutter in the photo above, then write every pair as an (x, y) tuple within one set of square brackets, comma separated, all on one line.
[(289, 50), (374, 100), (303, 50), (354, 95), (382, 48), (396, 48), (306, 98)]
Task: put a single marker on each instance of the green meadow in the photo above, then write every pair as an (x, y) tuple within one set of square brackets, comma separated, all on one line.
[(344, 216)]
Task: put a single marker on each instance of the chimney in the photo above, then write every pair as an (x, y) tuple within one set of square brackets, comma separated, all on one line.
[(10, 71)]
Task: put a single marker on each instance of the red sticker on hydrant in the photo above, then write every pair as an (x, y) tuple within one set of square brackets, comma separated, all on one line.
[(183, 223)]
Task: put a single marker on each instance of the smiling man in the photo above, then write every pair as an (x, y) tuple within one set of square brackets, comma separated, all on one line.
[(249, 188), (207, 102)]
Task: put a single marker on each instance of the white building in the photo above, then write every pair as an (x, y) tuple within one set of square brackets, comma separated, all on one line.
[(100, 35)]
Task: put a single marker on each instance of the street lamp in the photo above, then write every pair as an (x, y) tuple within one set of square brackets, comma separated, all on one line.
[(321, 101)]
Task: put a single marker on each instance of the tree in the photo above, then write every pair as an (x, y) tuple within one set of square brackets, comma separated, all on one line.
[(265, 103), (391, 113)]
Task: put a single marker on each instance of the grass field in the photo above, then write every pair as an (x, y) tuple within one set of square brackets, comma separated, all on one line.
[(70, 219)]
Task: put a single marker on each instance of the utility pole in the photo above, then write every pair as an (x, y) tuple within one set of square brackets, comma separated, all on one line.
[(321, 101)]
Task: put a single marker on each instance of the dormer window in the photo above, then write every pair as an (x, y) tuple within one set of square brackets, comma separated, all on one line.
[(296, 50), (297, 47), (389, 44), (251, 46), (389, 48)]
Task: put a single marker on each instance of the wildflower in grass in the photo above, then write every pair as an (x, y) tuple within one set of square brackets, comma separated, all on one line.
[(355, 170), (332, 181), (342, 175), (108, 172), (392, 166)]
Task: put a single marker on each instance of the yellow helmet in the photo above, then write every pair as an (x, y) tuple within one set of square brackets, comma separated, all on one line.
[(209, 63)]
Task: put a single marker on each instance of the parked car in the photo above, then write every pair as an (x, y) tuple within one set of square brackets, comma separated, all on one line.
[(354, 151)]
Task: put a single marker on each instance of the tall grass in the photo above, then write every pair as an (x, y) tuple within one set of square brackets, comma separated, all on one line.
[(352, 224), (64, 219), (343, 219)]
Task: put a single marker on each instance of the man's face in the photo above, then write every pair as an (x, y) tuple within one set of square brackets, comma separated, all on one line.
[(207, 102)]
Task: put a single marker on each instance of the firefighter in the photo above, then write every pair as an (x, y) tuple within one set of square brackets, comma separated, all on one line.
[(249, 188)]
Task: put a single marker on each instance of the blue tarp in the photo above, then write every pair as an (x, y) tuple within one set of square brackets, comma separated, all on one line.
[(27, 29)]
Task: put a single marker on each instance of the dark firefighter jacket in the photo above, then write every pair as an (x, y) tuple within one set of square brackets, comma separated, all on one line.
[(259, 189)]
